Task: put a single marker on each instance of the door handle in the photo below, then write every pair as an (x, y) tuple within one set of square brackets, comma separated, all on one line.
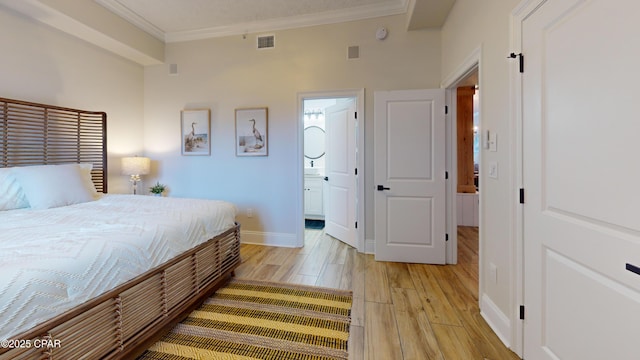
[(326, 178), (634, 269), (380, 188)]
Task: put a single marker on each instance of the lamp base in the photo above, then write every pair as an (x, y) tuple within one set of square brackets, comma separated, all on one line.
[(134, 183)]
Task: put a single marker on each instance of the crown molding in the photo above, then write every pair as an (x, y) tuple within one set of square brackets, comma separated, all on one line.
[(292, 22), (325, 18), (132, 17)]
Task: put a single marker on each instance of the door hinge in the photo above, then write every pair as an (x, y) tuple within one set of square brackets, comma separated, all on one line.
[(446, 237), (446, 109), (446, 175), (356, 171), (520, 60), (355, 115), (356, 224), (521, 312), (521, 196)]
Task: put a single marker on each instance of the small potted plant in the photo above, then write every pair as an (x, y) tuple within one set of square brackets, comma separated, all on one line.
[(157, 189)]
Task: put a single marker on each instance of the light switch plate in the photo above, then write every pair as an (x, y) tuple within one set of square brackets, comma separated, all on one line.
[(493, 270), (493, 170), (493, 141)]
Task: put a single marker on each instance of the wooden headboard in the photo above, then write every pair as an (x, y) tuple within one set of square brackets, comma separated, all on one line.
[(38, 134)]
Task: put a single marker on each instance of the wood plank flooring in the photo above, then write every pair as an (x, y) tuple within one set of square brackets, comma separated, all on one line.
[(400, 311)]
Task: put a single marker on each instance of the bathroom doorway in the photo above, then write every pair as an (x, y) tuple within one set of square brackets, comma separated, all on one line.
[(315, 157), (329, 158)]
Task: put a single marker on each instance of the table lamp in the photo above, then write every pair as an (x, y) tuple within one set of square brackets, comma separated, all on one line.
[(134, 167)]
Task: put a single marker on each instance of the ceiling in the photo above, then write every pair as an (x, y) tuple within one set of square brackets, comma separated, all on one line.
[(179, 20)]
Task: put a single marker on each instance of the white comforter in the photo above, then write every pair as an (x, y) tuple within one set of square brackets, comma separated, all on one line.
[(52, 260)]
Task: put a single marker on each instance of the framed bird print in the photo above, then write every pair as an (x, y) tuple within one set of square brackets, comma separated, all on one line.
[(196, 132), (251, 132)]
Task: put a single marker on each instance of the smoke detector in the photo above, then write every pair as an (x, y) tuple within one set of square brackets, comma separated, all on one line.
[(382, 33)]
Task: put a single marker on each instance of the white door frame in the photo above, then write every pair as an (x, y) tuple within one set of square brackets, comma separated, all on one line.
[(518, 15), (358, 94), (471, 63), (515, 333), (515, 101)]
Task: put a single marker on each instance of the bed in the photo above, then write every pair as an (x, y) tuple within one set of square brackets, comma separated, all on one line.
[(85, 274)]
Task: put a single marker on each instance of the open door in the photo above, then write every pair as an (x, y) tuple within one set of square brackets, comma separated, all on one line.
[(340, 179), (409, 176)]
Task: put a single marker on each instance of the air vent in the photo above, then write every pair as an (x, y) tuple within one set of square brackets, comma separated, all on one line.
[(353, 52), (173, 69), (266, 41)]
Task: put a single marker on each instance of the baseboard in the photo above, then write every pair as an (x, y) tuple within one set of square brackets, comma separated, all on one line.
[(268, 238), (497, 320), (369, 246)]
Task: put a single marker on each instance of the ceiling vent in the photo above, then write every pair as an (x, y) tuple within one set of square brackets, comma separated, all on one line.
[(266, 41)]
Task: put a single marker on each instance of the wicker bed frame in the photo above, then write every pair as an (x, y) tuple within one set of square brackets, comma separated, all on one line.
[(119, 323)]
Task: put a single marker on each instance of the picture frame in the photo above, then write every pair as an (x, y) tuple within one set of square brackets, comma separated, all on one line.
[(252, 131), (195, 132)]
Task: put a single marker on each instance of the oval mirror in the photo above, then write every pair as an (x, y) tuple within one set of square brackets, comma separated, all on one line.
[(313, 142)]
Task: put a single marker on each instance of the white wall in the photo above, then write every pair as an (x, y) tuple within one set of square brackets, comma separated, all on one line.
[(472, 24), (44, 65), (227, 73)]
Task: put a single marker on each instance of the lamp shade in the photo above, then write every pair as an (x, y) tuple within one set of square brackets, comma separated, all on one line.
[(136, 165)]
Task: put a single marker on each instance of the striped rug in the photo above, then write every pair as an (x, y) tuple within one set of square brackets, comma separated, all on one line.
[(250, 319)]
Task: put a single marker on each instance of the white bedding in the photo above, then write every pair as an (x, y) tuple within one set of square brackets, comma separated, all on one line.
[(52, 260)]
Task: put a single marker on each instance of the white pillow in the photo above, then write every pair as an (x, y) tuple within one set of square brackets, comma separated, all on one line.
[(11, 194), (85, 169), (48, 186)]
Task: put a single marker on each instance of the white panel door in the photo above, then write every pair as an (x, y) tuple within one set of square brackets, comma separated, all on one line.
[(409, 176), (340, 190), (580, 172)]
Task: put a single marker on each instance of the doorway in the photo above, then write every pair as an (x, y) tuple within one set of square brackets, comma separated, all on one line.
[(465, 139), (468, 138), (317, 140), (467, 75), (469, 69), (468, 141)]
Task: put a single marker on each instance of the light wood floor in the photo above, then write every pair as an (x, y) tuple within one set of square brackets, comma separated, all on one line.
[(400, 311)]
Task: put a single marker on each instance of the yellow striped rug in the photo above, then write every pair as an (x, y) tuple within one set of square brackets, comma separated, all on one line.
[(250, 319)]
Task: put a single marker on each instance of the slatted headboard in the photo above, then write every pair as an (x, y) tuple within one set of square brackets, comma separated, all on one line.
[(38, 134)]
